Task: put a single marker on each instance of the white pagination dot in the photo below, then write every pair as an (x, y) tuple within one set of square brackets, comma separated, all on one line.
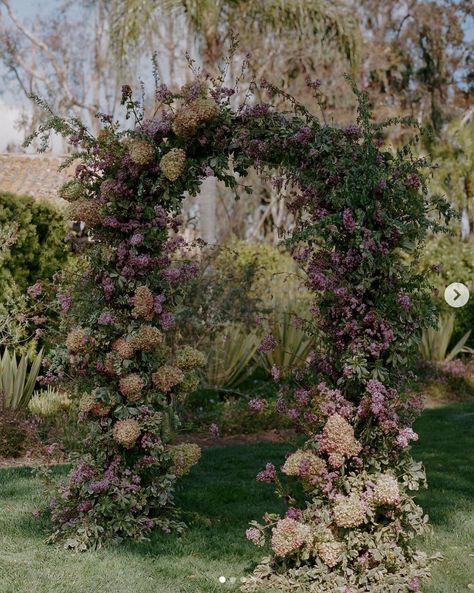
[(222, 579)]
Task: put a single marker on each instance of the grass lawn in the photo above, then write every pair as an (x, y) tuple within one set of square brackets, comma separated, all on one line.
[(223, 489)]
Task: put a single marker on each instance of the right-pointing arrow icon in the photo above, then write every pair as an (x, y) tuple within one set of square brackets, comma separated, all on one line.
[(456, 294)]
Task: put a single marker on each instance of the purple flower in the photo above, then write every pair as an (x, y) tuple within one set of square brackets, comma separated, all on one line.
[(106, 318), (268, 343), (84, 506), (413, 181), (405, 436), (168, 321), (172, 274), (352, 131), (293, 513), (65, 300), (163, 93), (214, 431), (253, 535), (275, 372), (158, 303), (257, 404), (35, 290), (414, 585), (293, 414), (99, 486), (404, 301), (137, 239), (348, 220), (268, 474)]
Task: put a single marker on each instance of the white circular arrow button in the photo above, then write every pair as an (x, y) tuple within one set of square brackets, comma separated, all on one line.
[(456, 294)]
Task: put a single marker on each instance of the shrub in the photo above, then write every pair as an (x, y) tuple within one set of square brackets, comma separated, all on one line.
[(37, 249), (17, 379), (448, 260), (13, 434)]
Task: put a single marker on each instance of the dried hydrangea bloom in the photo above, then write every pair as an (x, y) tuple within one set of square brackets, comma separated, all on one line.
[(109, 364), (305, 464), (349, 511), (184, 456), (190, 382), (147, 338), (124, 348), (185, 123), (193, 90), (143, 303), (206, 109), (72, 190), (386, 491), (173, 163), (289, 535), (87, 211), (189, 358), (331, 553), (132, 386), (108, 189), (167, 377), (141, 152), (88, 404), (126, 432), (77, 341), (338, 440)]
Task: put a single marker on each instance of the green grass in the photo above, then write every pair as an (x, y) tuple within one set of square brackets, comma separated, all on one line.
[(223, 489)]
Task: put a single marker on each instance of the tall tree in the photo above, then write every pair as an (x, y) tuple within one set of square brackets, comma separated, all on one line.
[(213, 23)]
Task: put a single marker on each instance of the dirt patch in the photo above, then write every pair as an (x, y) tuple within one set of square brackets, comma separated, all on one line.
[(269, 436)]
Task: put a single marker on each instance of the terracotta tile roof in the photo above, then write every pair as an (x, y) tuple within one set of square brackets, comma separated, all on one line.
[(33, 175)]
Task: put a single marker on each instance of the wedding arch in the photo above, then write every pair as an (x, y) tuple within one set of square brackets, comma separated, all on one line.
[(360, 209)]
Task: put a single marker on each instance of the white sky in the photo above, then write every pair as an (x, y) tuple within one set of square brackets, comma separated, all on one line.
[(8, 117)]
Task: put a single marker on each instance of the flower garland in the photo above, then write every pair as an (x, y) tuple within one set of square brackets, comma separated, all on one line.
[(359, 209)]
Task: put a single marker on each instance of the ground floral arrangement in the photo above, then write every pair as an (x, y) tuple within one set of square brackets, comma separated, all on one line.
[(359, 209)]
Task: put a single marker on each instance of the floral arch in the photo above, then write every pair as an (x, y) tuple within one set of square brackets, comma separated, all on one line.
[(359, 209)]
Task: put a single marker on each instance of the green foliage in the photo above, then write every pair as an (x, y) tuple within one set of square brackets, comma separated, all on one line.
[(13, 434), (239, 282), (37, 250), (229, 357), (435, 341), (294, 342), (447, 259), (17, 379), (49, 403)]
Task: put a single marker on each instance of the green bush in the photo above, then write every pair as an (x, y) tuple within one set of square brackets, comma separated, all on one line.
[(453, 262), (38, 248)]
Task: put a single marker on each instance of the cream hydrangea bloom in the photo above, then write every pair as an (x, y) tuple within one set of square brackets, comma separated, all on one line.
[(386, 490), (331, 553), (289, 535), (305, 464), (126, 432), (338, 440), (349, 511)]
